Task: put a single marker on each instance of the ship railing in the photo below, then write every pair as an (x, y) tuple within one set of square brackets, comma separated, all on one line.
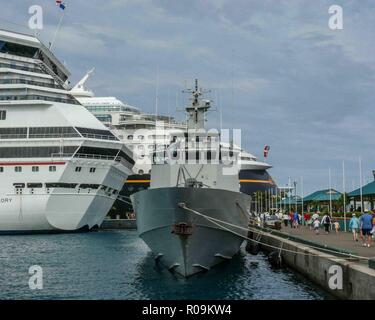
[(30, 82), (98, 136), (37, 97), (82, 156), (13, 136), (60, 155), (23, 68), (54, 135)]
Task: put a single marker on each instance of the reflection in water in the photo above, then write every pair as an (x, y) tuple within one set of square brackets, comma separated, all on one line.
[(118, 265)]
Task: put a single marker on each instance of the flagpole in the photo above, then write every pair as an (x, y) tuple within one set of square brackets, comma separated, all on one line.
[(360, 182), (303, 216), (57, 30), (330, 192), (344, 191), (289, 191)]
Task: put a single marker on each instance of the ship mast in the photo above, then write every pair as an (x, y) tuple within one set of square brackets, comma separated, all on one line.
[(197, 109)]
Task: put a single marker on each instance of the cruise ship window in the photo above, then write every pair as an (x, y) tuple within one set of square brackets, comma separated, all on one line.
[(52, 168), (140, 171), (78, 169), (141, 137), (130, 137), (35, 169), (3, 114), (92, 170), (35, 185), (1, 169), (18, 169)]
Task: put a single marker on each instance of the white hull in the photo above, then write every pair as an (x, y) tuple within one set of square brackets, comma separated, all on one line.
[(59, 209), (157, 213)]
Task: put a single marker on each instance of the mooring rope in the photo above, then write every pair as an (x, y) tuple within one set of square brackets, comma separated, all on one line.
[(217, 221)]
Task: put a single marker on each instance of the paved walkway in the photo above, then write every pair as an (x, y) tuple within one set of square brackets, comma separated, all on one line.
[(342, 240)]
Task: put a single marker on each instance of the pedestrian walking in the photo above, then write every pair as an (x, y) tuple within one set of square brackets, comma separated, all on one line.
[(316, 226), (285, 219), (337, 227), (354, 226), (295, 220), (366, 228), (326, 222)]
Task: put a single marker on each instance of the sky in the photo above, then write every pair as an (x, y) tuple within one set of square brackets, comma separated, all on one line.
[(275, 69)]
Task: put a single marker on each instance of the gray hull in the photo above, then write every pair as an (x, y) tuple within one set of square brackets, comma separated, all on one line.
[(204, 244)]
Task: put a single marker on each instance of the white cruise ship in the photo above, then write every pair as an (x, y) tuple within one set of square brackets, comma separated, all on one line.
[(60, 168)]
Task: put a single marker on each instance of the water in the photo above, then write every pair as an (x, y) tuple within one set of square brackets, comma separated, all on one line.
[(118, 265)]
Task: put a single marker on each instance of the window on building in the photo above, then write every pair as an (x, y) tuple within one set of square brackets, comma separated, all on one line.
[(35, 169), (52, 168), (18, 169), (78, 169), (3, 114)]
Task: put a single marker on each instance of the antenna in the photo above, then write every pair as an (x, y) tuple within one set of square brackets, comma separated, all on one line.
[(157, 93)]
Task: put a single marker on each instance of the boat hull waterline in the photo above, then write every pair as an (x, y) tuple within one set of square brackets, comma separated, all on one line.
[(186, 242)]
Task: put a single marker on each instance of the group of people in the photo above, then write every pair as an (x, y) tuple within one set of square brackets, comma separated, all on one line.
[(293, 218), (362, 227)]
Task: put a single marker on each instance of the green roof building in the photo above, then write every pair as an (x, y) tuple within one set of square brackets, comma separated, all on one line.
[(368, 197), (321, 199), (368, 191)]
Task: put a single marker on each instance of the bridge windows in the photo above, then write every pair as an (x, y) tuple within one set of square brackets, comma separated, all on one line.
[(33, 152), (1, 169), (92, 170), (52, 132), (78, 169), (18, 169), (13, 133), (35, 169), (3, 114), (52, 168)]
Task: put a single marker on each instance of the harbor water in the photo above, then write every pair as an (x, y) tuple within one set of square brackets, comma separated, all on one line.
[(118, 265)]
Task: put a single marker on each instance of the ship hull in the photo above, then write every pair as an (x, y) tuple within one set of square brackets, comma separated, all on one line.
[(52, 210), (159, 216)]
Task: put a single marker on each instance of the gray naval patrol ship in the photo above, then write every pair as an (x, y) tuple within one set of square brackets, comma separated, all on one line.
[(193, 216)]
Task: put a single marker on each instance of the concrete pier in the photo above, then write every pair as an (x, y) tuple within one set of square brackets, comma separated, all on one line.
[(328, 270)]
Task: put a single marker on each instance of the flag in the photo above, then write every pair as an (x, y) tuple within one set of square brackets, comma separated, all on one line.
[(265, 151), (61, 4)]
